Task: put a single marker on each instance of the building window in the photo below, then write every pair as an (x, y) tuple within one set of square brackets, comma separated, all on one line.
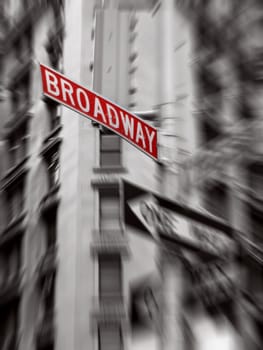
[(51, 226), (9, 264), (255, 178), (49, 299), (18, 145), (55, 36), (109, 202), (203, 36), (23, 47), (245, 110), (15, 201), (54, 118), (110, 276), (208, 132), (255, 281), (110, 150), (256, 226), (216, 201), (54, 46), (53, 169), (9, 327), (110, 336), (209, 82), (20, 93)]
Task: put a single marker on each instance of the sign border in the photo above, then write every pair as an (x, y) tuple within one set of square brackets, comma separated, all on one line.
[(106, 99)]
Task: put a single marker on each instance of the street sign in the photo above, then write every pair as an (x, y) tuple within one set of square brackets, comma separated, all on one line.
[(142, 208), (101, 110), (154, 218), (173, 223)]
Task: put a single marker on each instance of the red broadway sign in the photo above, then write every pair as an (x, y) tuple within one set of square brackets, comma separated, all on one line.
[(97, 108)]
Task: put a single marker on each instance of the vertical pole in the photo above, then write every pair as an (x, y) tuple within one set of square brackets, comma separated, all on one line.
[(170, 264), (171, 321), (168, 149)]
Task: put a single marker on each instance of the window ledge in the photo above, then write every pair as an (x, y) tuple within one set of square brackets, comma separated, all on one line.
[(115, 313), (14, 222), (46, 332), (253, 304), (52, 133), (48, 263), (15, 173), (114, 310), (109, 303), (22, 69), (23, 20), (50, 143), (110, 169), (19, 118), (49, 100), (11, 289), (109, 236), (14, 229), (107, 247), (252, 198), (50, 200), (106, 180)]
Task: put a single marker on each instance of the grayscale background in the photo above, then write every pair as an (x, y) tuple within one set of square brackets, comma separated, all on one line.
[(75, 272)]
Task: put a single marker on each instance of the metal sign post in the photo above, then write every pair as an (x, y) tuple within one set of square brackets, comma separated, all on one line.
[(170, 265)]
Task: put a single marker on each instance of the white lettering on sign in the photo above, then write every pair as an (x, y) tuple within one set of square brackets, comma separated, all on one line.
[(52, 84), (86, 107), (67, 90), (98, 110), (128, 124), (140, 134), (150, 136), (113, 117)]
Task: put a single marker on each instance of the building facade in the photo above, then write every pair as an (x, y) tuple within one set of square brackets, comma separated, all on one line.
[(226, 162), (66, 261), (65, 256)]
